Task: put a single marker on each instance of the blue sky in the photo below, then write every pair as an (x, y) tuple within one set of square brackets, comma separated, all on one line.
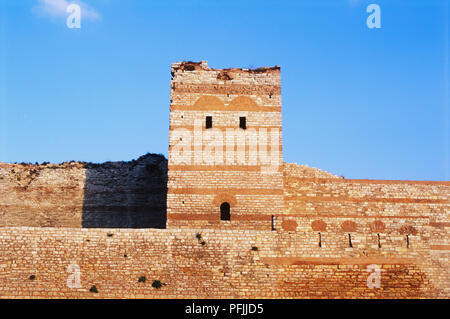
[(358, 102)]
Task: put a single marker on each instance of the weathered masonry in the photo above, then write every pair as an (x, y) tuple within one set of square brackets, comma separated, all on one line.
[(225, 151), (241, 222)]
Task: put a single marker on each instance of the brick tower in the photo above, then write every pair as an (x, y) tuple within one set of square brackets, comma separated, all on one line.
[(225, 147)]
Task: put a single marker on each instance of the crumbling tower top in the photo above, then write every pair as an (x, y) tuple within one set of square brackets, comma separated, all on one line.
[(203, 65)]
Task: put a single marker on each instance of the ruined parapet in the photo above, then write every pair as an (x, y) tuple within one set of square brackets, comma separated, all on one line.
[(78, 194), (304, 171)]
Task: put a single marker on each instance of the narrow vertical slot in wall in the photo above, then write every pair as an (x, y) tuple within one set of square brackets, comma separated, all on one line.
[(208, 122), (243, 122)]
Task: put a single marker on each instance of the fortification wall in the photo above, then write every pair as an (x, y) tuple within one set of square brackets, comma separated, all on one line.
[(401, 226), (406, 202), (42, 195), (217, 264), (377, 216), (114, 194), (295, 232)]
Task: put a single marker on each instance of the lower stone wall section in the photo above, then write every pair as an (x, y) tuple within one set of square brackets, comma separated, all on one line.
[(129, 194), (196, 263)]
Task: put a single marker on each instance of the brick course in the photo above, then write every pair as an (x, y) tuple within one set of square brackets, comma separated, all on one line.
[(226, 95), (298, 232)]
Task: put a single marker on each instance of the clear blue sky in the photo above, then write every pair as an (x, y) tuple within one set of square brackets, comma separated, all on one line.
[(358, 102)]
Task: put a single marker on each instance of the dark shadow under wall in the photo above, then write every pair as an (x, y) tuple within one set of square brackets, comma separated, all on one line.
[(126, 194)]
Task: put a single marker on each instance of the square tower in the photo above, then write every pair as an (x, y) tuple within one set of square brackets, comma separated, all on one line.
[(225, 147)]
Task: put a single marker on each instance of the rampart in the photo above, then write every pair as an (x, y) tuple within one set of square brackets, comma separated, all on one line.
[(226, 230), (115, 194), (38, 262), (307, 255)]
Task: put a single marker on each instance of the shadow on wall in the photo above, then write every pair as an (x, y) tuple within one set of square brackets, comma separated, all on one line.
[(126, 194)]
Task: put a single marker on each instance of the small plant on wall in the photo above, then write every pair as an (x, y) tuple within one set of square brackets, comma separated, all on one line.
[(200, 240), (94, 289), (142, 279), (158, 284)]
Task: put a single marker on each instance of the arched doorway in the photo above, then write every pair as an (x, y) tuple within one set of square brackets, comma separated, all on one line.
[(225, 211)]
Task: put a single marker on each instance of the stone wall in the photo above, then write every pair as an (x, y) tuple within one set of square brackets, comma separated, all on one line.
[(381, 217), (190, 263), (115, 194), (126, 194), (330, 231), (42, 195)]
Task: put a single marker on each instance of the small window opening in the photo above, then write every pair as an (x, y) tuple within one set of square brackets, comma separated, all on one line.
[(379, 241), (350, 240), (225, 211), (243, 122), (209, 122), (407, 241), (273, 223), (320, 239)]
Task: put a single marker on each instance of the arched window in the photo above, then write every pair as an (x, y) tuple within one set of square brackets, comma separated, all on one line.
[(225, 211)]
